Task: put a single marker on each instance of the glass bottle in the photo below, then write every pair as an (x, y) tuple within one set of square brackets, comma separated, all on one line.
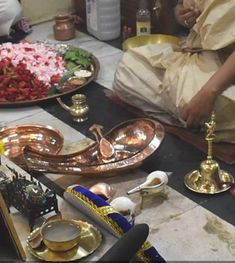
[(143, 19)]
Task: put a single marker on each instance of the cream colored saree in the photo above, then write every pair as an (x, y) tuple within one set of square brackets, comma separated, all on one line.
[(160, 79)]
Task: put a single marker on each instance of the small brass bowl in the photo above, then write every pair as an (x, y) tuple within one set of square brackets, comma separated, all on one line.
[(61, 235), (139, 41)]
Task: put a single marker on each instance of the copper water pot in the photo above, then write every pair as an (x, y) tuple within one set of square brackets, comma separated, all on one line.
[(64, 28)]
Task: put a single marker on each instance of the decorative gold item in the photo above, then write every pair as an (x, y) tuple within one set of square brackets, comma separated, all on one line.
[(60, 235), (79, 109), (133, 141), (90, 240), (138, 41), (44, 139), (64, 28), (209, 179)]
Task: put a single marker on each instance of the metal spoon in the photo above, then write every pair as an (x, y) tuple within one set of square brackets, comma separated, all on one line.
[(106, 148)]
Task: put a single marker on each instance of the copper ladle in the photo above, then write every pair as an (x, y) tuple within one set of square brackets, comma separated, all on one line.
[(106, 148)]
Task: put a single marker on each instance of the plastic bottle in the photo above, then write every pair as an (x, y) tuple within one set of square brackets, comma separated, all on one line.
[(143, 19), (103, 18)]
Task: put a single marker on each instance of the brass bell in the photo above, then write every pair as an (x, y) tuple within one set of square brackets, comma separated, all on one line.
[(209, 179)]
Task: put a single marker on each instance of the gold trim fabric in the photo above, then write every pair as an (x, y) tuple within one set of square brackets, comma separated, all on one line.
[(103, 212)]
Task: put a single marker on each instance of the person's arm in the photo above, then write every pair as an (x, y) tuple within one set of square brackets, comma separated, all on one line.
[(199, 109), (186, 17)]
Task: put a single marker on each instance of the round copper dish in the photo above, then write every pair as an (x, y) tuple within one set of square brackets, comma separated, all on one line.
[(44, 139), (24, 103)]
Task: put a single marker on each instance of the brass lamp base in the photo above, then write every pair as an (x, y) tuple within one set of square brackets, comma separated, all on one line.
[(209, 179)]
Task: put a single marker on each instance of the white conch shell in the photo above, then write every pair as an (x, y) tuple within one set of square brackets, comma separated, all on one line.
[(123, 204), (150, 186)]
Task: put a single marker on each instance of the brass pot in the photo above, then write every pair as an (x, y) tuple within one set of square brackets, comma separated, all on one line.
[(61, 235), (64, 28)]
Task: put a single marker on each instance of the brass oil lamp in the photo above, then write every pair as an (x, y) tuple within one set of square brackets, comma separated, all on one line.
[(209, 179)]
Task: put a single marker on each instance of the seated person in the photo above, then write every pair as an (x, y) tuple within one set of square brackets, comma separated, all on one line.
[(183, 86), (13, 26), (10, 14)]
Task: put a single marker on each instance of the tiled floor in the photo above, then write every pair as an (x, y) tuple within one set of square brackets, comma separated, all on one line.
[(180, 229)]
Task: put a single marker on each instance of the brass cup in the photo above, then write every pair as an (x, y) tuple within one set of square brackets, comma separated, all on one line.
[(61, 235)]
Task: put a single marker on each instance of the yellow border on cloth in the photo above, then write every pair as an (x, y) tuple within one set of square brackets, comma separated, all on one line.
[(103, 213)]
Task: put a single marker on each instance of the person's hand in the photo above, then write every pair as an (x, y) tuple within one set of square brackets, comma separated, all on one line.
[(199, 109), (186, 16)]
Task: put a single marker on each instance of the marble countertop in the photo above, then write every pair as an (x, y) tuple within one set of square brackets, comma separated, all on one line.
[(180, 229)]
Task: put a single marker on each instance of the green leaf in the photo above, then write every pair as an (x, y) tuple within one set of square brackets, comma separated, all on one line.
[(71, 65), (52, 91), (79, 57)]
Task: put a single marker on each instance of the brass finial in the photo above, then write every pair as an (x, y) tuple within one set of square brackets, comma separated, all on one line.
[(209, 179), (210, 135)]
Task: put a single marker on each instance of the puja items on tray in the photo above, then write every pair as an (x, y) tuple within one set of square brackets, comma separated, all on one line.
[(36, 71), (124, 147), (106, 215), (63, 240)]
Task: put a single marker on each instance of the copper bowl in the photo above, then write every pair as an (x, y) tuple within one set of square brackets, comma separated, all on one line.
[(138, 41), (44, 139), (132, 141), (61, 235)]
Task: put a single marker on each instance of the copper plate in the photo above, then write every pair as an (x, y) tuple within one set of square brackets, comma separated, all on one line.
[(133, 141), (52, 97), (150, 39), (90, 240), (44, 139)]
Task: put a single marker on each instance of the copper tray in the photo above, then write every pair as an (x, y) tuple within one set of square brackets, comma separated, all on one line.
[(52, 97), (133, 141), (44, 139), (138, 41)]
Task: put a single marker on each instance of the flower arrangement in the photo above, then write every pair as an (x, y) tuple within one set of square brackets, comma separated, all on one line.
[(30, 71)]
